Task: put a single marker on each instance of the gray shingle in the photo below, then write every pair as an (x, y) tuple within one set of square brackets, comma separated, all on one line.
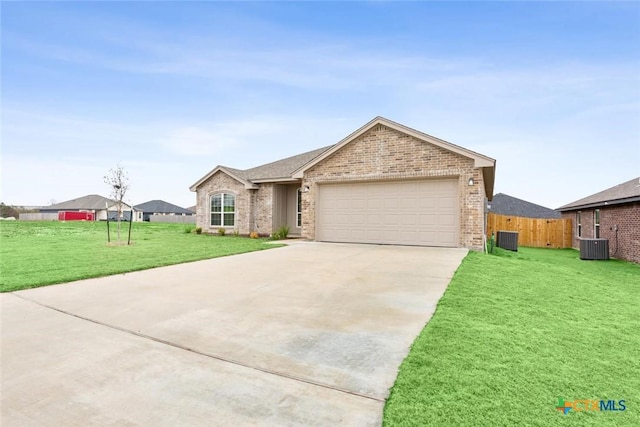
[(279, 169), (160, 206), (626, 192), (90, 202), (503, 204)]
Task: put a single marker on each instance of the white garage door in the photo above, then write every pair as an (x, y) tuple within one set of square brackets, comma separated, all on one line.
[(423, 212)]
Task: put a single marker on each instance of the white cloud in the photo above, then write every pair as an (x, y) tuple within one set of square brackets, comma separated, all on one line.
[(284, 92)]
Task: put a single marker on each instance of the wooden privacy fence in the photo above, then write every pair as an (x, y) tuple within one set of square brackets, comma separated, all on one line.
[(534, 232)]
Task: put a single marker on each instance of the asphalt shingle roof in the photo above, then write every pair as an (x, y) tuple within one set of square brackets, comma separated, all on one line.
[(90, 202), (279, 169), (160, 206), (503, 204), (626, 192)]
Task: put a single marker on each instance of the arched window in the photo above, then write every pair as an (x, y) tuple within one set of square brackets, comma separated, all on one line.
[(223, 210)]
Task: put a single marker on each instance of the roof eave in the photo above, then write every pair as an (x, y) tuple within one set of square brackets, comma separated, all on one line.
[(268, 180), (479, 159), (603, 203), (248, 185), (489, 177)]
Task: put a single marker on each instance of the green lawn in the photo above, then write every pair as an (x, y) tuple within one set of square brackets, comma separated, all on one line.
[(41, 253), (515, 332)]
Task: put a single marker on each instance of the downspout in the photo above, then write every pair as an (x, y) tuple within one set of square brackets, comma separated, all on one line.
[(484, 225)]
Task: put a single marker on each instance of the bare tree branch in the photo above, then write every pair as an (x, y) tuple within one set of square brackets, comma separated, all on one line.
[(118, 180)]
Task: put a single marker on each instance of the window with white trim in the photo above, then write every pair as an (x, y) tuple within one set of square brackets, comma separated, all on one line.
[(223, 210), (578, 224), (596, 223), (299, 208)]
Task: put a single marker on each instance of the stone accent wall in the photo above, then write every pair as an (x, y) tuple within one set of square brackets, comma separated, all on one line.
[(384, 154), (626, 217), (220, 182)]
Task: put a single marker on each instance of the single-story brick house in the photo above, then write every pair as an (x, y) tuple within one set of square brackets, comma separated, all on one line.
[(612, 214), (160, 207), (385, 183), (100, 206)]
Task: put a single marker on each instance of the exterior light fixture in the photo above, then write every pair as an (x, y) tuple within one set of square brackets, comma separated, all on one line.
[(306, 189), (471, 181)]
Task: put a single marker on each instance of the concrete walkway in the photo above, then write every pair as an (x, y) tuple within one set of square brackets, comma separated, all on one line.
[(309, 334)]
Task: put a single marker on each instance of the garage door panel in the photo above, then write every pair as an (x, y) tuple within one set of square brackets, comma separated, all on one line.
[(359, 203), (419, 212), (388, 220), (408, 203), (343, 204), (446, 220), (427, 203), (374, 203), (446, 202), (427, 236), (426, 220), (373, 219), (408, 220)]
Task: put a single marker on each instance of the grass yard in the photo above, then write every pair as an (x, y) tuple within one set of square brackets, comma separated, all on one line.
[(34, 254), (515, 332)]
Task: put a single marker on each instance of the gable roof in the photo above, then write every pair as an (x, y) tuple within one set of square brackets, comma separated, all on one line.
[(283, 169), (90, 202), (280, 170), (626, 192), (293, 168), (503, 204), (160, 206), (479, 159), (486, 163)]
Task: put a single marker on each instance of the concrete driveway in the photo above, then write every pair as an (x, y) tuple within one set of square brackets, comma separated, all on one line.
[(308, 334)]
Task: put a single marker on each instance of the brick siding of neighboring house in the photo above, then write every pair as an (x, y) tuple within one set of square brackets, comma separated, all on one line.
[(626, 245), (383, 153)]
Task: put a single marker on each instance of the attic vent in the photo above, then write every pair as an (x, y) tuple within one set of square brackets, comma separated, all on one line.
[(594, 249)]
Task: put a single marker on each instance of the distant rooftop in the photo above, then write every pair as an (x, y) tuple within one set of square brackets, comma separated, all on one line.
[(160, 206), (503, 204), (622, 193), (90, 202)]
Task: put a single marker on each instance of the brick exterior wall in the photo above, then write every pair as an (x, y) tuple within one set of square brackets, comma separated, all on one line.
[(253, 207), (625, 216), (262, 210), (385, 154), (223, 183), (379, 154)]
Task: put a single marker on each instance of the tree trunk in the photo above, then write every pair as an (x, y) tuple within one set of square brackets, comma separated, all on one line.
[(119, 215)]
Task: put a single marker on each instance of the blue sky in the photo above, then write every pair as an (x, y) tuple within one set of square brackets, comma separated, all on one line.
[(172, 89)]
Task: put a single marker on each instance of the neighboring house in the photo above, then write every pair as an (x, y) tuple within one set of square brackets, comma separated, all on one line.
[(612, 214), (503, 204), (160, 207), (98, 205), (385, 183)]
